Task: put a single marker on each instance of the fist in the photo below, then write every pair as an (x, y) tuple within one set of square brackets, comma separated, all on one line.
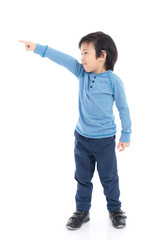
[(122, 146), (30, 46)]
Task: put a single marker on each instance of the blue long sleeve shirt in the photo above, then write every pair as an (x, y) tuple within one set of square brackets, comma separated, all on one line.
[(97, 93)]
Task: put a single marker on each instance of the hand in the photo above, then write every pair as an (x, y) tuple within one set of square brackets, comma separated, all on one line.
[(123, 145), (30, 46)]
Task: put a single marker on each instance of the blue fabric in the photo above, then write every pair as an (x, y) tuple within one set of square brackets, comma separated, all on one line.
[(97, 94), (88, 152)]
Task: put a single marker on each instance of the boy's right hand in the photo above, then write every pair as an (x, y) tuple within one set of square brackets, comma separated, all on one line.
[(30, 46)]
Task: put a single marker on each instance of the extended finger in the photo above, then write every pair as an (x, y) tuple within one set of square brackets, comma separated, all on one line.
[(22, 41)]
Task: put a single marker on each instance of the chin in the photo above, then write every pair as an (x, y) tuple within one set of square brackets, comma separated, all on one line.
[(87, 70)]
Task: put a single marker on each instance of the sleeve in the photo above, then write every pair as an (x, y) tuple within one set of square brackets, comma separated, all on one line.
[(122, 106), (60, 58)]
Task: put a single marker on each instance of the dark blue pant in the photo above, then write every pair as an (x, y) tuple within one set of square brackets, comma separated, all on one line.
[(88, 152)]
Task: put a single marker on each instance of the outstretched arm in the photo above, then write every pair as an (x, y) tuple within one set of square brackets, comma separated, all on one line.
[(56, 56)]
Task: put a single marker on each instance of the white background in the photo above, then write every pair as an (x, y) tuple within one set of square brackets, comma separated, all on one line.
[(39, 110)]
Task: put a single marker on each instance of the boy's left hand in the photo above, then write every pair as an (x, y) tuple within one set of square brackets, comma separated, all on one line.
[(123, 145)]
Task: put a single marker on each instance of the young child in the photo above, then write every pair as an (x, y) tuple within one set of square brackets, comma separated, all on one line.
[(95, 131)]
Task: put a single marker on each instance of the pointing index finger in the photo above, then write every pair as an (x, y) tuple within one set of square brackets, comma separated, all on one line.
[(22, 41)]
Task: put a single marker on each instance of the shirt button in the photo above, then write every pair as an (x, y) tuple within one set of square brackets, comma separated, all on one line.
[(91, 86), (94, 77), (93, 81)]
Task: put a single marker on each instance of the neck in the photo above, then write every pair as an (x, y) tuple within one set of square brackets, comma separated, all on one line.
[(100, 70)]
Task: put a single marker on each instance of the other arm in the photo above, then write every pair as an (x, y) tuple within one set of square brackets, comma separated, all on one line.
[(122, 106)]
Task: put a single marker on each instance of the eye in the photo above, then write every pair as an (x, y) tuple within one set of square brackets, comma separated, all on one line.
[(84, 53)]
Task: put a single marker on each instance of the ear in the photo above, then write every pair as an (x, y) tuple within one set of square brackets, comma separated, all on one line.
[(103, 54)]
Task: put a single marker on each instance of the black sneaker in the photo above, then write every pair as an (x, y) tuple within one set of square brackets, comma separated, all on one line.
[(118, 218), (77, 219)]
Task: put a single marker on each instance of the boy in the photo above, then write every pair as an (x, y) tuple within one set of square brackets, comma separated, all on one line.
[(95, 131)]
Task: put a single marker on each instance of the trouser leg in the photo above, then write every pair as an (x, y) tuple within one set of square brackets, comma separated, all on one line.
[(85, 166), (107, 170)]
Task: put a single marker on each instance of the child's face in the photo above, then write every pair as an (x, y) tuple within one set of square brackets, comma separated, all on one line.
[(89, 60)]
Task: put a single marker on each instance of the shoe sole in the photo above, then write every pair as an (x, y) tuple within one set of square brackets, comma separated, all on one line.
[(119, 226), (71, 228)]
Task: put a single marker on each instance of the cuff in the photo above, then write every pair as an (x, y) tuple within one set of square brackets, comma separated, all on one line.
[(41, 49)]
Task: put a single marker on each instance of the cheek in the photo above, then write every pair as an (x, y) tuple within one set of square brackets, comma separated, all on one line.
[(94, 62)]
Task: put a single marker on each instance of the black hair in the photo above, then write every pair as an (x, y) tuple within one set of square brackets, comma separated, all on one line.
[(102, 41)]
